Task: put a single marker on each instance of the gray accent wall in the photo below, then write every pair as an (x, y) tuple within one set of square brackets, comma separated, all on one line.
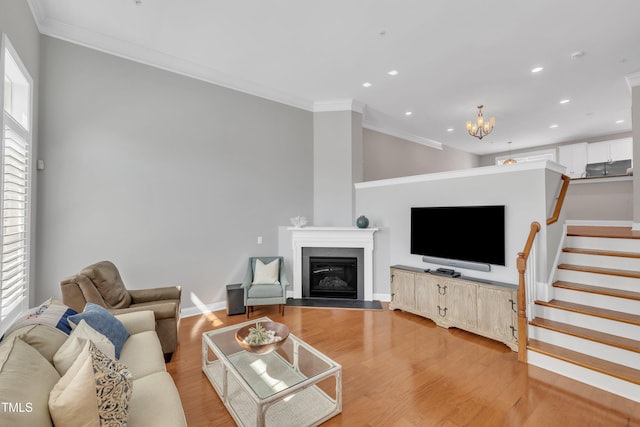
[(337, 166), (16, 21), (386, 156), (601, 200), (171, 178)]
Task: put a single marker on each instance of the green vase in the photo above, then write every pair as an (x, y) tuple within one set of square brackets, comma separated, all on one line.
[(362, 221)]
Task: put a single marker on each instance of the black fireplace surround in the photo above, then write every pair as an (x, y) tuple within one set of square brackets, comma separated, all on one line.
[(333, 273)]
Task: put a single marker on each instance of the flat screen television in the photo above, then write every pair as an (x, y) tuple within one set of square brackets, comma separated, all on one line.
[(466, 233)]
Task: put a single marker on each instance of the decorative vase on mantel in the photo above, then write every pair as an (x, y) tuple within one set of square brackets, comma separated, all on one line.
[(362, 221)]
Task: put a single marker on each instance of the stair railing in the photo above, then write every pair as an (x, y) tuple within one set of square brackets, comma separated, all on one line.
[(527, 273), (560, 201)]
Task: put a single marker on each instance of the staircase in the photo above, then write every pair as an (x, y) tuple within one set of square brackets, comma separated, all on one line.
[(590, 331)]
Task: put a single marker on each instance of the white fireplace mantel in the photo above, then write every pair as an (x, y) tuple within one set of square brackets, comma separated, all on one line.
[(332, 237)]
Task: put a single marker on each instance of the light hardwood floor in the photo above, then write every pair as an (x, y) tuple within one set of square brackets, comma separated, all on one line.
[(403, 370)]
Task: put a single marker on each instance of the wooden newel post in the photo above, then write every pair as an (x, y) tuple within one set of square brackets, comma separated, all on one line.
[(522, 309), (522, 293)]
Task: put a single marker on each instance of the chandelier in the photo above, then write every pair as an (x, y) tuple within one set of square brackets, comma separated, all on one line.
[(480, 129)]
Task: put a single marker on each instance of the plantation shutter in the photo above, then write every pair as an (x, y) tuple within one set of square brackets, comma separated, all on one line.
[(15, 185), (15, 174)]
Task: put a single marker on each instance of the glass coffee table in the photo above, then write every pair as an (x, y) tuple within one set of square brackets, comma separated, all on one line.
[(295, 385)]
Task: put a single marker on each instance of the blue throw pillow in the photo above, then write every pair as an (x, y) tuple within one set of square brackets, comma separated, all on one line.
[(104, 322)]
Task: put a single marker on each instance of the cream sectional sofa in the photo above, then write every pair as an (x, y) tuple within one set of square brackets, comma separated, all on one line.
[(27, 375)]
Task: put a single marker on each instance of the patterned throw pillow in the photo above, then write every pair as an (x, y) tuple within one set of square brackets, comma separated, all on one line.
[(68, 352), (92, 374), (49, 313)]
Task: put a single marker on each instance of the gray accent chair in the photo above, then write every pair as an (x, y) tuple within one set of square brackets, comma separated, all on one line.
[(265, 294)]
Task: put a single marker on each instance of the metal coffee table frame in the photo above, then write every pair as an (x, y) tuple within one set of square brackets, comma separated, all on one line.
[(236, 384)]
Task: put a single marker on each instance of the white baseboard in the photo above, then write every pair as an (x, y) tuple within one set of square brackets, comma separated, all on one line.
[(204, 309), (215, 306), (382, 297)]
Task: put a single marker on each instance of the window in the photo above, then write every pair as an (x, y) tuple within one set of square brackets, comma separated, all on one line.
[(15, 185)]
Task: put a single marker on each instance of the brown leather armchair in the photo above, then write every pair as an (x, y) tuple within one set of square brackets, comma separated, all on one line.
[(101, 284)]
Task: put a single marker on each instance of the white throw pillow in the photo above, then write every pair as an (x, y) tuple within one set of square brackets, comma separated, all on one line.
[(266, 274), (69, 351), (94, 392)]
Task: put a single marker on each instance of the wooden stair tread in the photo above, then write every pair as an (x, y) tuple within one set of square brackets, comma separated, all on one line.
[(588, 334), (600, 270), (618, 293), (603, 366), (607, 232), (619, 316), (602, 252)]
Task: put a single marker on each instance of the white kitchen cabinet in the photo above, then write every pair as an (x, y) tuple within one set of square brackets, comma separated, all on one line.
[(574, 158), (610, 151)]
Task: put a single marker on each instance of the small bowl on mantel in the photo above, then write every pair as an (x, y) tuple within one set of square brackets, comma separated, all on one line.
[(280, 330)]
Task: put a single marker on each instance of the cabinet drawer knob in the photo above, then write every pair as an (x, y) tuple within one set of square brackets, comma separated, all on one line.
[(514, 305), (442, 290)]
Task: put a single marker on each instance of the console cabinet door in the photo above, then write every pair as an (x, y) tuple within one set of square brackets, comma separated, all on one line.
[(496, 313), (461, 303), (427, 296), (402, 290)]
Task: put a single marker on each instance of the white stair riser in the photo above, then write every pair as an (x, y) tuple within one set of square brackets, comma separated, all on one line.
[(605, 382), (604, 280), (612, 327), (605, 244), (597, 300), (618, 263), (592, 348)]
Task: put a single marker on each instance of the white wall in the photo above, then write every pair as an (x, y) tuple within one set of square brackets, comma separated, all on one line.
[(526, 190), (171, 178)]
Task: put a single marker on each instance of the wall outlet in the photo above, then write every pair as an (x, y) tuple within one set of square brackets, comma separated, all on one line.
[(259, 240)]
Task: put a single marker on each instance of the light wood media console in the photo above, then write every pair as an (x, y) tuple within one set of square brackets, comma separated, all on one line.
[(480, 306)]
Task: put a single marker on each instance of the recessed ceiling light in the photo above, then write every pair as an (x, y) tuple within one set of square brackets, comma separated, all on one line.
[(366, 84), (393, 73), (565, 101), (553, 126), (537, 70), (450, 129), (619, 121), (408, 113)]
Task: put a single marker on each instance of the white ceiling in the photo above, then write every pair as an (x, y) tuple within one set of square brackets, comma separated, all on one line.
[(450, 55)]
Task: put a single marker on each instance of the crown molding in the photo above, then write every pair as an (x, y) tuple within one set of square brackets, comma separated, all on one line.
[(37, 11), (633, 80), (404, 135), (338, 105)]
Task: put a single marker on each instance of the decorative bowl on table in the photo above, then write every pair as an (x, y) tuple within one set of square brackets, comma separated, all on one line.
[(262, 337)]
